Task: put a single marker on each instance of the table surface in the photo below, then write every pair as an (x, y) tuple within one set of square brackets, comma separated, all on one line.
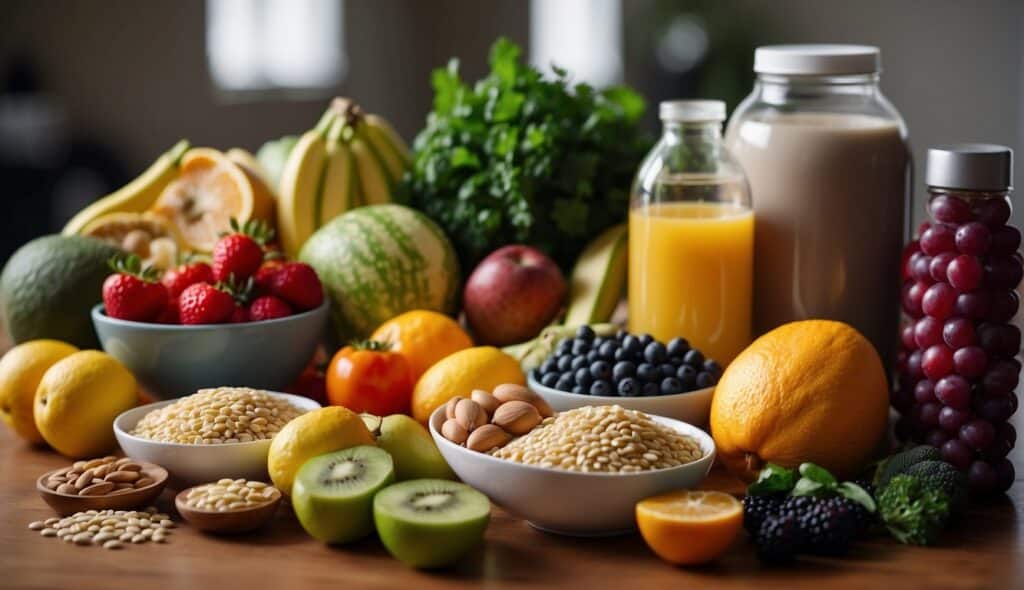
[(984, 550)]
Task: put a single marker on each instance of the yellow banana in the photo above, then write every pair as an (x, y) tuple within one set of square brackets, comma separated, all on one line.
[(375, 186), (338, 194), (136, 196), (301, 183), (389, 145)]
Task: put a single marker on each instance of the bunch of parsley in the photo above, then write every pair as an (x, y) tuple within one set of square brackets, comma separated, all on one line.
[(519, 158)]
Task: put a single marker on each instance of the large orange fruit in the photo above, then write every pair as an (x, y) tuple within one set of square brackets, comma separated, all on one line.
[(423, 337), (812, 390)]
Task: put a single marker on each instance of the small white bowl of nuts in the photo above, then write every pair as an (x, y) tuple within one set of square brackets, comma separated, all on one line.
[(579, 472), (216, 433)]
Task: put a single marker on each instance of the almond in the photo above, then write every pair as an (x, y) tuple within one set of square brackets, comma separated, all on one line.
[(517, 417), (97, 489), (453, 431), (511, 392), (469, 414), (487, 401), (449, 408), (487, 437)]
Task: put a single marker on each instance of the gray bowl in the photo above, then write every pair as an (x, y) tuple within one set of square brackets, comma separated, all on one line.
[(170, 361)]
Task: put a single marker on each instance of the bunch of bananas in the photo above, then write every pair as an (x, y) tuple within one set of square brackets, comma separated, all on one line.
[(349, 159)]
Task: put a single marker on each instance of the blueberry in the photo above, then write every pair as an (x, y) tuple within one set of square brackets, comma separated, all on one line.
[(675, 360), (600, 387), (620, 334), (630, 387), (687, 376), (650, 389), (583, 377), (535, 374), (593, 355), (578, 362), (607, 350), (647, 372), (671, 386), (565, 382), (677, 346), (705, 379), (564, 346), (579, 389), (580, 347), (645, 339), (549, 379), (622, 370), (694, 358), (548, 366), (631, 344), (585, 333), (654, 353), (564, 363), (621, 355), (713, 367), (667, 370), (601, 370)]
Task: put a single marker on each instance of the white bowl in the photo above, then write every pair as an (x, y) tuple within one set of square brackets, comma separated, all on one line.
[(192, 464), (693, 406), (571, 502)]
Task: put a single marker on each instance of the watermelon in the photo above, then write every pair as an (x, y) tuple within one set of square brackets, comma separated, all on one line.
[(379, 261)]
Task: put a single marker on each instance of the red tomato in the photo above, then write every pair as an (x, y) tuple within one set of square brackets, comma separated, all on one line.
[(367, 377)]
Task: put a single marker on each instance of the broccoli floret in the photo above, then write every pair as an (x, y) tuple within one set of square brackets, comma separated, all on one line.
[(942, 476), (913, 513), (900, 462)]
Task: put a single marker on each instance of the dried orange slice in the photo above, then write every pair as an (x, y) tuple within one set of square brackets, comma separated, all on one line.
[(209, 191), (689, 527)]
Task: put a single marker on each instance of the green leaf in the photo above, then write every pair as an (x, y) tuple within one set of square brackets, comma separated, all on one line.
[(809, 487), (773, 479), (854, 492), (463, 157), (818, 474), (504, 58)]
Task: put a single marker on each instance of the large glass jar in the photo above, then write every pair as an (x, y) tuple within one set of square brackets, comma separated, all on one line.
[(828, 165), (691, 236), (958, 371)]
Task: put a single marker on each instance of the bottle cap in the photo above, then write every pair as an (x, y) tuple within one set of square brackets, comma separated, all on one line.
[(970, 166), (817, 60), (691, 111)]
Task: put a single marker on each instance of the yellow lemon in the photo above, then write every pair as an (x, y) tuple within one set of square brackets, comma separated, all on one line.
[(314, 433), (21, 369), (481, 367), (78, 399), (689, 527)]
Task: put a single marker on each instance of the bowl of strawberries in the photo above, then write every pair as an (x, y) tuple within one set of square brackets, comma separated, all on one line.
[(245, 318)]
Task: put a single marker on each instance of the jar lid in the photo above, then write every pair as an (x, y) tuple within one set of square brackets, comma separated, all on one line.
[(691, 111), (970, 166), (817, 60)]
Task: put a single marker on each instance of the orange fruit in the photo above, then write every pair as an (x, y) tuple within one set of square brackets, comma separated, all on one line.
[(689, 527), (481, 367), (423, 337), (812, 390), (209, 191)]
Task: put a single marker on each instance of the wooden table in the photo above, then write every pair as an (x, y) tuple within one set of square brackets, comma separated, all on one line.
[(986, 550)]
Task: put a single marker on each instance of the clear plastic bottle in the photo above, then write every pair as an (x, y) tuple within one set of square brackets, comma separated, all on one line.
[(958, 371), (691, 236)]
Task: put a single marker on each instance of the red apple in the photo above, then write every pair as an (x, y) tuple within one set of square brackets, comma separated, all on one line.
[(512, 295)]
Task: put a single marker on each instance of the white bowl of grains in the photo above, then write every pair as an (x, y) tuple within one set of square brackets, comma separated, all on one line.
[(186, 435), (582, 472)]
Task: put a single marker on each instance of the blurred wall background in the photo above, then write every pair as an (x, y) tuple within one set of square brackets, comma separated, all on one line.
[(123, 80)]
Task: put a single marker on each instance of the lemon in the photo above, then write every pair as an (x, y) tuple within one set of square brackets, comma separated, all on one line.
[(21, 369), (481, 367), (78, 399), (314, 433)]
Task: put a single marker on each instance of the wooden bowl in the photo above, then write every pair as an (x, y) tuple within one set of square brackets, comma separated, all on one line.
[(65, 504), (231, 521)]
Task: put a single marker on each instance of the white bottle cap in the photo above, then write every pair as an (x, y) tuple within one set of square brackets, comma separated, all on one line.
[(970, 166), (817, 60), (691, 111)]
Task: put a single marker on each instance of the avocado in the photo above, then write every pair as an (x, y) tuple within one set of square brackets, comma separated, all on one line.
[(49, 286), (598, 279)]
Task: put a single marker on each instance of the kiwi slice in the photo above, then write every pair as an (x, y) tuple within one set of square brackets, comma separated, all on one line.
[(333, 493), (430, 523)]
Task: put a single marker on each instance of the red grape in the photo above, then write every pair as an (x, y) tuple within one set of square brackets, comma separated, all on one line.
[(953, 391), (1005, 475), (995, 409), (924, 391), (1003, 305), (938, 301), (936, 437), (958, 333), (957, 453), (938, 265), (914, 365), (919, 267), (970, 361), (981, 478), (973, 238), (907, 337), (909, 250), (901, 399), (952, 419), (937, 361), (978, 434), (937, 239), (972, 305), (964, 273), (1005, 240), (949, 209), (927, 332), (999, 339), (911, 298), (928, 414), (1003, 272), (992, 212), (1001, 378)]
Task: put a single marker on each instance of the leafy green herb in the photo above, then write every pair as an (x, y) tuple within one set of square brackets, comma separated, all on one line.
[(773, 479), (520, 158), (814, 481), (913, 513)]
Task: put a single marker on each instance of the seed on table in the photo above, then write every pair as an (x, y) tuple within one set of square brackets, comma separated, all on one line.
[(37, 525), (113, 544), (139, 539), (103, 537), (48, 532), (82, 539), (125, 537)]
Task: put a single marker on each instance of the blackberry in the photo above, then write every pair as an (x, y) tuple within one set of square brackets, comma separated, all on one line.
[(828, 526), (779, 539), (863, 520), (756, 509)]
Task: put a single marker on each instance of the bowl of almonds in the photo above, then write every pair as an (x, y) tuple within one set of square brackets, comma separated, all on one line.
[(105, 483)]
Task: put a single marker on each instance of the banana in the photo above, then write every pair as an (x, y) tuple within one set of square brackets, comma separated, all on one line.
[(532, 353), (375, 185), (340, 182), (136, 196), (389, 145), (301, 184)]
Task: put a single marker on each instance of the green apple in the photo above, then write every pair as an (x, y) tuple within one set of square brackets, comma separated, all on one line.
[(414, 452)]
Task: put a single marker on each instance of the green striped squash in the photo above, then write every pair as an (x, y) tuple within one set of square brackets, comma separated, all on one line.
[(379, 261)]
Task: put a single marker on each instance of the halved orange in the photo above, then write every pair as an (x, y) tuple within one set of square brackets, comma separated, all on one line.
[(209, 191), (689, 527)]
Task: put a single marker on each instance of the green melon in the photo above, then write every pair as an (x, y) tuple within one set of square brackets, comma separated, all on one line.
[(379, 261)]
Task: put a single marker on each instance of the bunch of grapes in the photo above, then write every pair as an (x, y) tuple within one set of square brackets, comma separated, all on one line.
[(957, 367)]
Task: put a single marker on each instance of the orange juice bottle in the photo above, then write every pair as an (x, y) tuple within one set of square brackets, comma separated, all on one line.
[(691, 236)]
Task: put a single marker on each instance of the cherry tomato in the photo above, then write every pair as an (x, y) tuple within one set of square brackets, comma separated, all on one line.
[(368, 377)]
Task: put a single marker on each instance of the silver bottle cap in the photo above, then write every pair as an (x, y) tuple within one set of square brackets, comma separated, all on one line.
[(817, 60), (970, 166)]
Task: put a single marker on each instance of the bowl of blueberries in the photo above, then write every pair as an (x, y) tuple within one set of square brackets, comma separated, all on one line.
[(634, 371)]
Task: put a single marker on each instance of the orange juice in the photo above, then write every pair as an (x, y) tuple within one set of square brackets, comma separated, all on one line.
[(690, 274)]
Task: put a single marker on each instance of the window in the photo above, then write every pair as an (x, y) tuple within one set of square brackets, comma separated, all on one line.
[(582, 36)]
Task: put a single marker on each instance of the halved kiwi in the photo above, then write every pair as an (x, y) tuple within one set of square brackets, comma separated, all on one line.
[(429, 523), (333, 493)]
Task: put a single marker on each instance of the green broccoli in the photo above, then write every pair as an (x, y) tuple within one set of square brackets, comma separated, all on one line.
[(900, 462), (942, 476), (914, 514)]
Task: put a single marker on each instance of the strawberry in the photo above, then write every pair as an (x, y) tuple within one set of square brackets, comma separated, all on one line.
[(240, 253), (265, 275), (268, 307), (176, 279), (170, 314), (133, 292), (297, 283), (239, 315), (205, 304)]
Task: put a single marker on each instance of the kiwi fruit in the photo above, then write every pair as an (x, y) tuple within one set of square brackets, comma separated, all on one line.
[(333, 493), (430, 523)]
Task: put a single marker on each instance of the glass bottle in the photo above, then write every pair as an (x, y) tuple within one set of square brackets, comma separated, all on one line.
[(957, 370), (691, 236), (829, 172)]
